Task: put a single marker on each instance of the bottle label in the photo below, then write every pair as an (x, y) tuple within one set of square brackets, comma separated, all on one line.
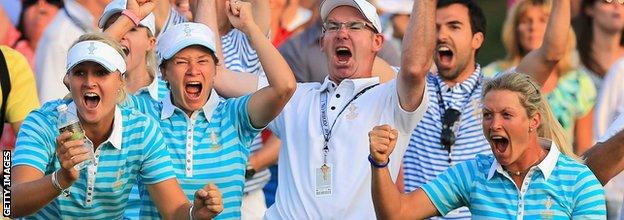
[(76, 130)]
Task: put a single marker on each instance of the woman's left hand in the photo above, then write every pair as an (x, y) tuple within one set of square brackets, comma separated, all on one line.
[(141, 8)]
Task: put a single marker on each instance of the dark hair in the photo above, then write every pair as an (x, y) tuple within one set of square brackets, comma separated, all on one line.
[(477, 18), (583, 27), (27, 4)]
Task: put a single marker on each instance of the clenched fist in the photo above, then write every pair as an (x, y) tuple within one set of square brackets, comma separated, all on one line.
[(382, 142), (208, 202)]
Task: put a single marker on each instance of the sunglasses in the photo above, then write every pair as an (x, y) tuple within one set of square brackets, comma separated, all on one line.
[(447, 138)]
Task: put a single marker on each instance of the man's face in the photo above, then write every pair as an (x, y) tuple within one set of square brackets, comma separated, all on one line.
[(456, 45), (351, 48)]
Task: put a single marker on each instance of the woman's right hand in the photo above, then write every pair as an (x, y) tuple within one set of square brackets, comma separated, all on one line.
[(141, 8), (382, 142), (69, 154), (240, 15)]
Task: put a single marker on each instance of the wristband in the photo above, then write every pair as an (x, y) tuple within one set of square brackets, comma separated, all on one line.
[(135, 19), (375, 164), (57, 185)]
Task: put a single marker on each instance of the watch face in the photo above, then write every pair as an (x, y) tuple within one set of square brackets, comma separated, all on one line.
[(249, 172)]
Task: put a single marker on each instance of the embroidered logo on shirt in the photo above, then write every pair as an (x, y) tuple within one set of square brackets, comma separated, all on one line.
[(548, 214), (215, 142), (118, 183), (353, 112)]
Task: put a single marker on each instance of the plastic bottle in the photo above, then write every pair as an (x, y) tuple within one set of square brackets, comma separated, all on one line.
[(67, 121)]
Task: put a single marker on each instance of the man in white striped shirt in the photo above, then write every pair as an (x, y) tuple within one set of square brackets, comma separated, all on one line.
[(450, 131)]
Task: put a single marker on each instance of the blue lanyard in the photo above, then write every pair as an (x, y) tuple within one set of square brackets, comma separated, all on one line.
[(324, 121)]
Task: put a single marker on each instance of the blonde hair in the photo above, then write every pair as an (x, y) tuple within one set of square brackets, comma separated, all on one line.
[(515, 52), (101, 37), (533, 102)]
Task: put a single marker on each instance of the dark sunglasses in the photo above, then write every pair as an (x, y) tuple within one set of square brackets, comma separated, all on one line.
[(447, 138)]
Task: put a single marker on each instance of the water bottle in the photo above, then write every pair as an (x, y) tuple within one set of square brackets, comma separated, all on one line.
[(67, 121)]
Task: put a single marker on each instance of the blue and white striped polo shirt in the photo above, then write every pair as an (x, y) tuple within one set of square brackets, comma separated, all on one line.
[(135, 148), (212, 146), (157, 90), (557, 188), (425, 157)]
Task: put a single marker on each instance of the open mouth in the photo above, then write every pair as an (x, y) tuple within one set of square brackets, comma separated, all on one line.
[(445, 55), (125, 50), (343, 54), (193, 89), (500, 143), (92, 100)]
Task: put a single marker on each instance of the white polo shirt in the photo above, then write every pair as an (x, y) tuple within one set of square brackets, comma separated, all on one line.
[(299, 128)]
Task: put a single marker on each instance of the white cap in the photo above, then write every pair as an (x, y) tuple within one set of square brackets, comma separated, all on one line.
[(181, 36), (117, 6), (98, 52), (367, 9), (396, 6)]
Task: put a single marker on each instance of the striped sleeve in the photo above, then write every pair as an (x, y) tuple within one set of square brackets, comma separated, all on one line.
[(238, 53), (36, 140), (238, 109), (156, 166), (589, 197), (142, 103), (451, 189)]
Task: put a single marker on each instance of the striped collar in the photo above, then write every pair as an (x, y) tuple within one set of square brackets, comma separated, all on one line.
[(354, 84), (546, 166), (117, 133), (208, 108), (464, 87)]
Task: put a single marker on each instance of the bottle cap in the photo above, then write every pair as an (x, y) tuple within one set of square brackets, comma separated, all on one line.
[(62, 107)]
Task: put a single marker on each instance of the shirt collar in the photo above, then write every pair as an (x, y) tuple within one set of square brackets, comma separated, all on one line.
[(356, 85), (546, 166), (208, 108), (467, 85), (152, 89), (79, 15), (116, 134)]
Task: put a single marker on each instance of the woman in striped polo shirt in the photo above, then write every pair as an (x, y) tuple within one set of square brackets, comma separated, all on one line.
[(533, 173), (128, 145)]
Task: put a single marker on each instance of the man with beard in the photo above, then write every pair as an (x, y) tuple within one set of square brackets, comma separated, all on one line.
[(450, 131)]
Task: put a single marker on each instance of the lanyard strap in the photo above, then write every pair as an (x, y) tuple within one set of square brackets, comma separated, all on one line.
[(441, 102), (324, 121)]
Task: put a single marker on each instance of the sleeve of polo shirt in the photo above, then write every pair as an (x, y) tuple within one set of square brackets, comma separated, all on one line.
[(36, 142), (156, 166), (239, 54), (589, 197), (407, 121), (23, 96), (451, 189), (238, 110)]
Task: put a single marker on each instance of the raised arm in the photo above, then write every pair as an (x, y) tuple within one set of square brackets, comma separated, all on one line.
[(389, 202), (268, 102), (123, 24), (606, 159), (262, 15), (417, 54), (540, 62)]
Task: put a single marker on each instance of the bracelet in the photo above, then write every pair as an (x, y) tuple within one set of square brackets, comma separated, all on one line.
[(57, 185), (191, 212), (135, 19), (375, 164)]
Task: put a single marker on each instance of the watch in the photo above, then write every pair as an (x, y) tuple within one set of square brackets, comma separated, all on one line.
[(249, 172)]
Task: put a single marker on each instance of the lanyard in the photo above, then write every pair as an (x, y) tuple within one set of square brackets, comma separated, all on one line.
[(324, 121), (442, 104)]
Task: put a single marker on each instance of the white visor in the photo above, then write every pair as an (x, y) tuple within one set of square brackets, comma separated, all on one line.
[(98, 52), (181, 36)]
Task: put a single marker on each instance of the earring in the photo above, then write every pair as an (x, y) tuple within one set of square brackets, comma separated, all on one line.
[(530, 129)]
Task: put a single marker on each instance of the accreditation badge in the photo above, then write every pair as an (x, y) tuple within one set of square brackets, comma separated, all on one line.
[(323, 186)]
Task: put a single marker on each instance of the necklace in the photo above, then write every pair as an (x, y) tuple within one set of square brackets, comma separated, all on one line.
[(517, 173)]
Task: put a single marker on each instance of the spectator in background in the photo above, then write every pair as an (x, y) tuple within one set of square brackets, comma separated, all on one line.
[(36, 16), (569, 89), (184, 7), (399, 14), (599, 27), (287, 19), (22, 96), (76, 18)]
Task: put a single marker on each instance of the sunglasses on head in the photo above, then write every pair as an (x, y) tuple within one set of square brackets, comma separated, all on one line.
[(447, 137)]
